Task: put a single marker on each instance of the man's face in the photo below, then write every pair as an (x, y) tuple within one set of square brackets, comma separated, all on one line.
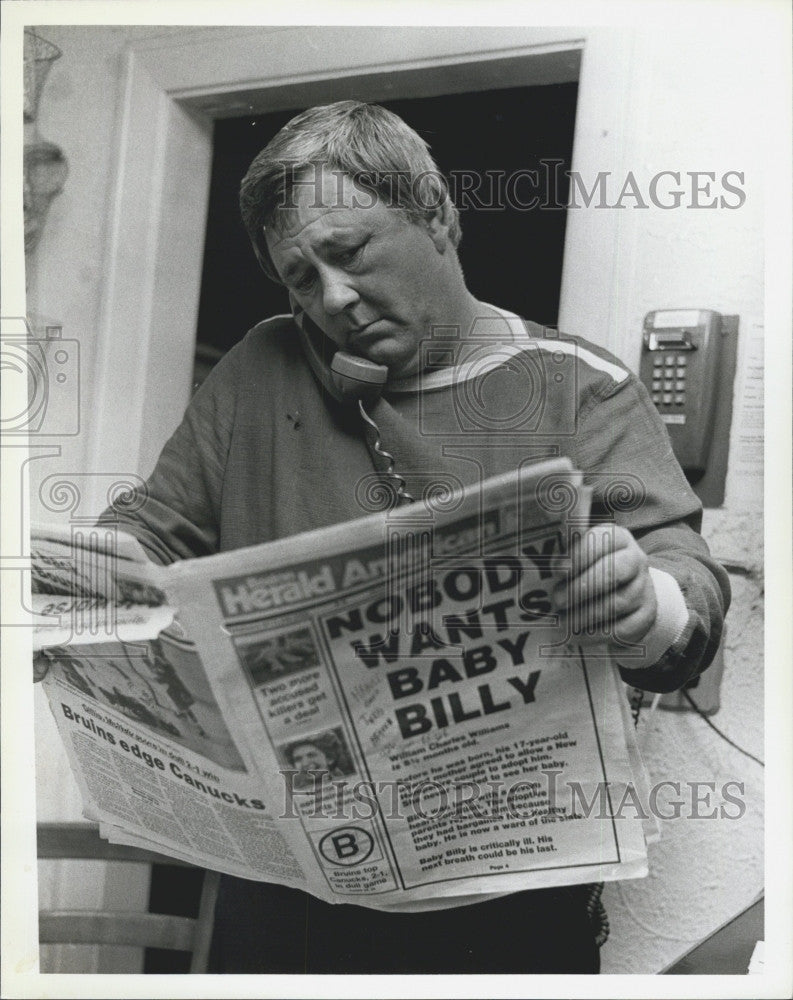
[(307, 757), (366, 275)]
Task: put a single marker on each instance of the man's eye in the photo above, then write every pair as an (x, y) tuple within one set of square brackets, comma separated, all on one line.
[(304, 282), (350, 255)]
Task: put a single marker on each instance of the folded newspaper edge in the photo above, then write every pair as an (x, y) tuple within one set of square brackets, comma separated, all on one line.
[(382, 712)]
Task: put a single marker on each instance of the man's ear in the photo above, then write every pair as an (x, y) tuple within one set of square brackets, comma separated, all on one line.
[(438, 224)]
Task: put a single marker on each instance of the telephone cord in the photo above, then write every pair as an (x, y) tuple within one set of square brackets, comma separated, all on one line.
[(402, 494), (716, 729)]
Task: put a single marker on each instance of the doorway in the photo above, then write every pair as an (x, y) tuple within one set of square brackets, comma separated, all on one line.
[(506, 152)]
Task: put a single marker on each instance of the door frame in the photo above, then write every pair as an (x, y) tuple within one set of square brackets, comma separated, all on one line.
[(175, 86)]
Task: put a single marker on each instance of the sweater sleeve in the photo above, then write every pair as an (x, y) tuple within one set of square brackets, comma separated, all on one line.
[(176, 514), (623, 449)]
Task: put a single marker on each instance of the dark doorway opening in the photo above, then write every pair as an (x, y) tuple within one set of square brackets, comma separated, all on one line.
[(511, 254)]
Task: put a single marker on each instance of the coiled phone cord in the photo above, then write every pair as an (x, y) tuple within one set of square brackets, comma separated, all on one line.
[(402, 494)]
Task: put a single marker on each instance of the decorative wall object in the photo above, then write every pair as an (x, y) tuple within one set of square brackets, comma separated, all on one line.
[(45, 166)]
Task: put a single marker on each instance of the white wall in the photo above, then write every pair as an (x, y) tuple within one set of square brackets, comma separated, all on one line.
[(681, 93), (694, 104), (67, 276)]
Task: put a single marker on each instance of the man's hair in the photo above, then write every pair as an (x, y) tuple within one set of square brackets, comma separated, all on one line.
[(368, 143)]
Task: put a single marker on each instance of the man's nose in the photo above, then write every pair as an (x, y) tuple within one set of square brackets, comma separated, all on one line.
[(338, 291)]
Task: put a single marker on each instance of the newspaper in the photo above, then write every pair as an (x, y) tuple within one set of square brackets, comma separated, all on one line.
[(382, 712)]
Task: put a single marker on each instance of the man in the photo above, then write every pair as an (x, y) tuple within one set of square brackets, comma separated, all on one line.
[(345, 208)]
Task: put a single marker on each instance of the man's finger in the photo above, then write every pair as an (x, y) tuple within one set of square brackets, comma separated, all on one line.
[(630, 629), (614, 570), (633, 628), (587, 547), (607, 611)]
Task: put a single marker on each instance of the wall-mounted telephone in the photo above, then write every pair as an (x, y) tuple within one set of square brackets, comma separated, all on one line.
[(680, 367), (688, 366)]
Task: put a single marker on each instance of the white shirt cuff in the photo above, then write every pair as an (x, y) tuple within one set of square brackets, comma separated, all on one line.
[(670, 620)]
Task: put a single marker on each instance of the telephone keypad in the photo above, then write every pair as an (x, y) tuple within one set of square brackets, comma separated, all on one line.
[(669, 380)]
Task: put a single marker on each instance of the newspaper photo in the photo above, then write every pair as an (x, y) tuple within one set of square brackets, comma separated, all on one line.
[(385, 712)]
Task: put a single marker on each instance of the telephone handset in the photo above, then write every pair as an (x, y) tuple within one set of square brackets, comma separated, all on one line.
[(357, 378), (346, 377), (680, 366)]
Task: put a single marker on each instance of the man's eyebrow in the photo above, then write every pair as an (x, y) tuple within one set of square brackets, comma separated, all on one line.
[(340, 236), (328, 241)]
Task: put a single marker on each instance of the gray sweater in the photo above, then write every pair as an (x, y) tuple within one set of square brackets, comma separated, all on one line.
[(265, 452)]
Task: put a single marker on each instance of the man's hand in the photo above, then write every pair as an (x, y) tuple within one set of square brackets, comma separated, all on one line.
[(41, 666), (608, 592)]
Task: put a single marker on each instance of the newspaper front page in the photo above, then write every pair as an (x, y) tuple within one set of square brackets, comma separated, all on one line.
[(383, 712)]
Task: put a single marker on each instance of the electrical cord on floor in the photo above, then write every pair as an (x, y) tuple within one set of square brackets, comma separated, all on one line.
[(716, 729)]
